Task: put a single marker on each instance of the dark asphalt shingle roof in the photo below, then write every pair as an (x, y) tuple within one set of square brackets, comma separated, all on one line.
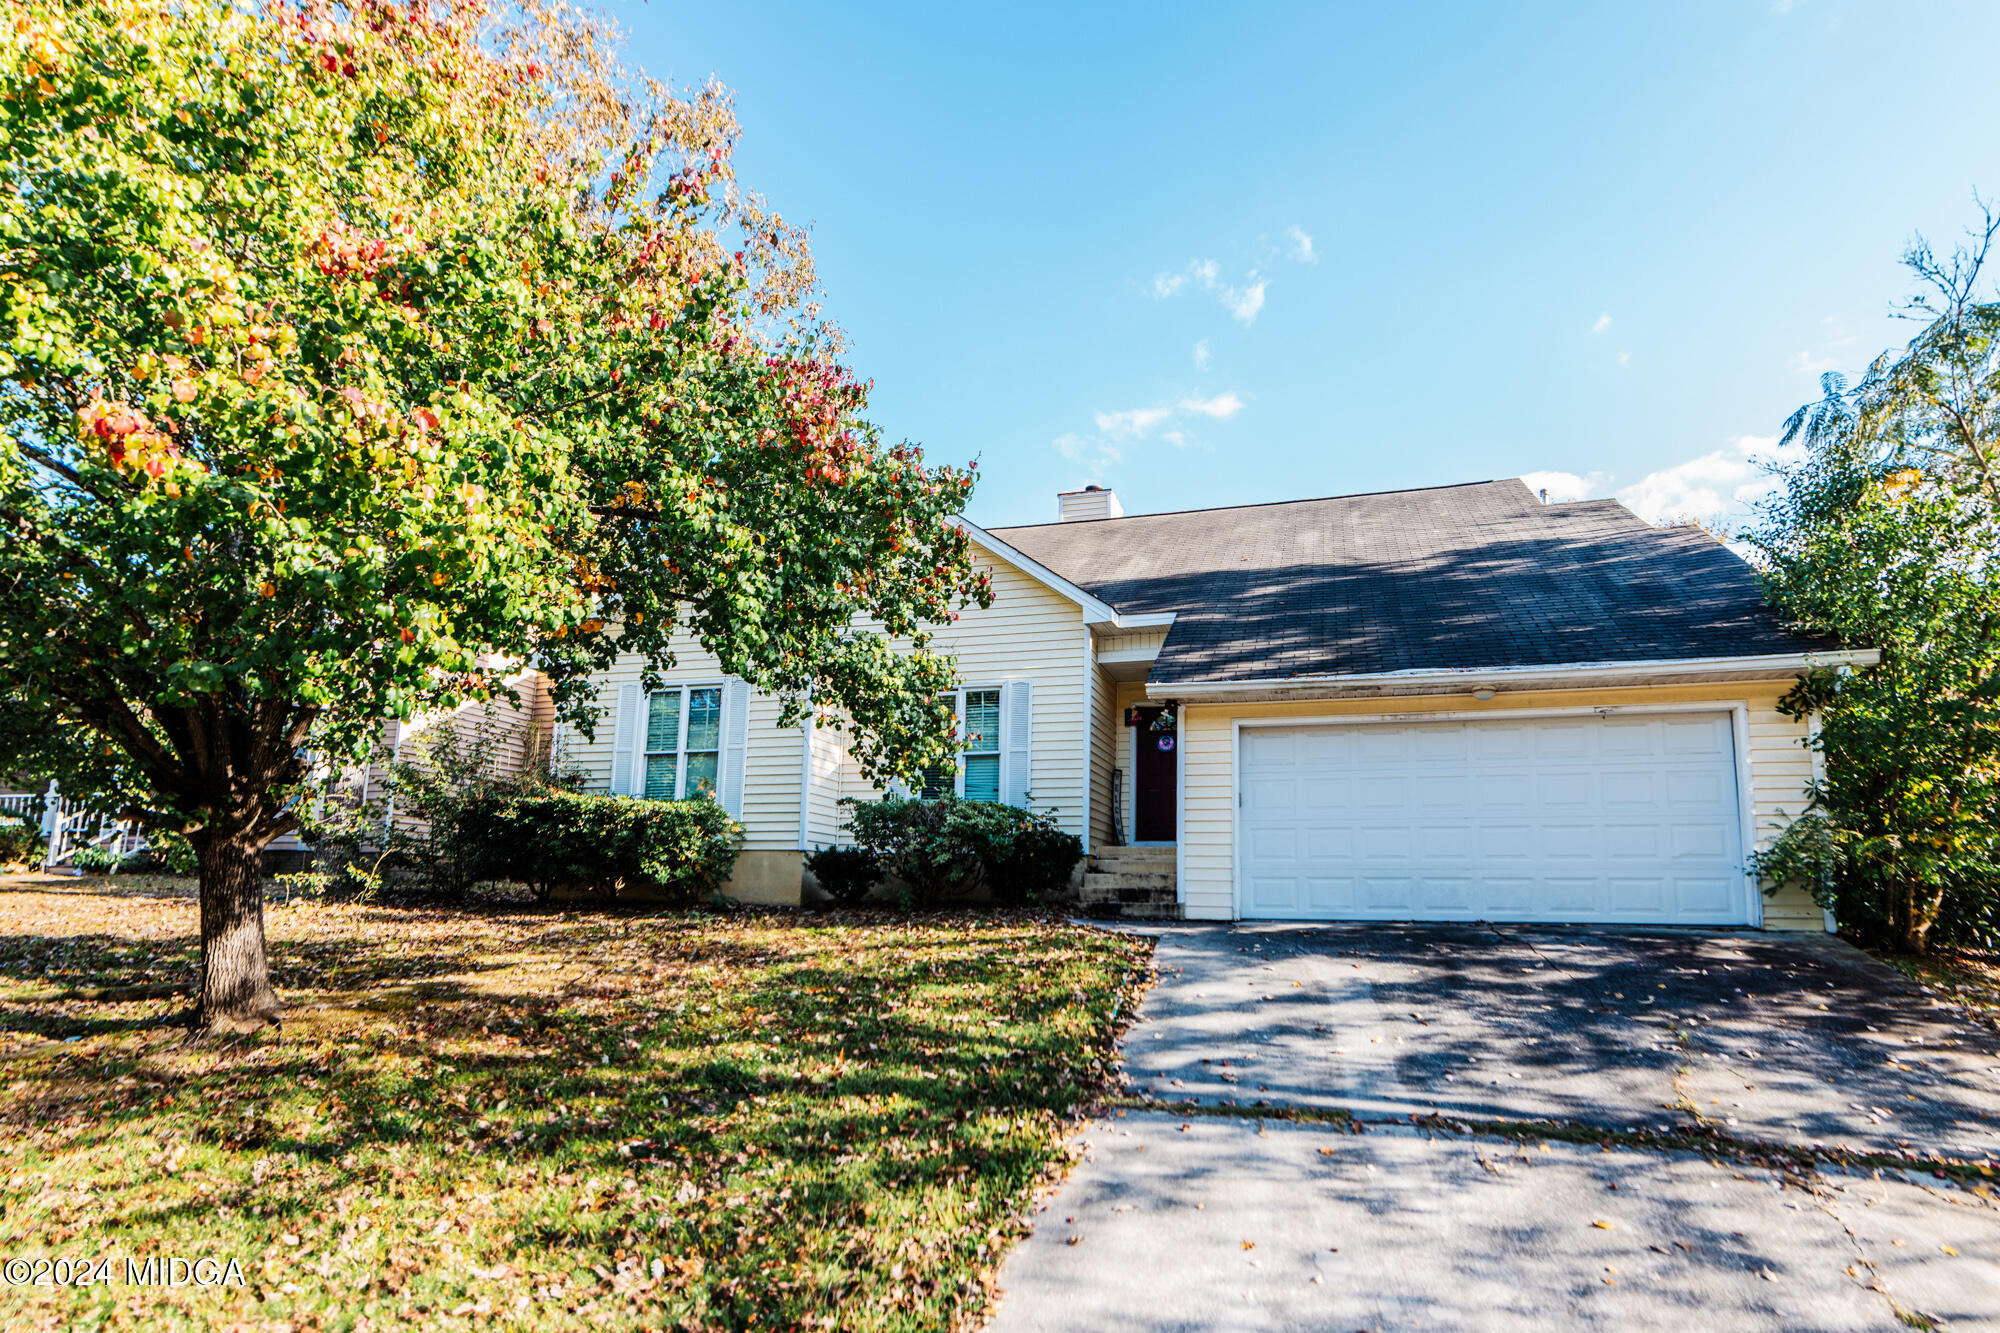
[(1452, 577)]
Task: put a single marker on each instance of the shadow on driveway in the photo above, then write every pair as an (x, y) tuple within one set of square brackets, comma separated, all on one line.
[(1801, 1040)]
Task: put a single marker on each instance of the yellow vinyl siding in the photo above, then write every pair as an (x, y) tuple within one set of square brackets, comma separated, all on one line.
[(1034, 634), (825, 816), (1029, 633), (772, 771), (771, 758), (1780, 767), (1104, 731)]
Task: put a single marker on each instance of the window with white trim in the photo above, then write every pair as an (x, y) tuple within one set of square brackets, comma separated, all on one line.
[(976, 776), (683, 742)]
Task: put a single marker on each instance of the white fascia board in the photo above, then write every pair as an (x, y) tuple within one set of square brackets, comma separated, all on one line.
[(1568, 673), (1096, 611)]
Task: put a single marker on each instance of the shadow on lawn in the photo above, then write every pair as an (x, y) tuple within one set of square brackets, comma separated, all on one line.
[(802, 1109)]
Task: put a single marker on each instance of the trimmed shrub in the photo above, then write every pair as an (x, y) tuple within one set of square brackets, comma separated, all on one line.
[(947, 847), (94, 860), (932, 848), (681, 851), (845, 873), (1036, 863), (20, 841), (166, 852)]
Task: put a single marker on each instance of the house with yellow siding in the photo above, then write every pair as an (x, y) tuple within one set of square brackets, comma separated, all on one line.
[(1456, 703)]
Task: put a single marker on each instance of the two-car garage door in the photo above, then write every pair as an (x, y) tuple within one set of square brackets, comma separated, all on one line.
[(1615, 818)]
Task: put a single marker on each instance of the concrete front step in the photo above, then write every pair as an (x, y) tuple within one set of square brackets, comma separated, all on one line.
[(1131, 883), (1123, 879), (1149, 853), (1168, 911)]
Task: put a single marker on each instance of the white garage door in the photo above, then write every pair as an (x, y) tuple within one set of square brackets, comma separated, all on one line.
[(1618, 818)]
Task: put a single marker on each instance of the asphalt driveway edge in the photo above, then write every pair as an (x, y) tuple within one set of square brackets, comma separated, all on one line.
[(1711, 1143)]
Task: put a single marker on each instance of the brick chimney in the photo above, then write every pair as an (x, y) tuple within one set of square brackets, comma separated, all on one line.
[(1090, 502)]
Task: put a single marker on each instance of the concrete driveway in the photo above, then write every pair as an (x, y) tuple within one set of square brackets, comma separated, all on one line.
[(1215, 1218)]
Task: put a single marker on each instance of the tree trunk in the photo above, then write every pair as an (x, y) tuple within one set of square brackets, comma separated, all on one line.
[(236, 994)]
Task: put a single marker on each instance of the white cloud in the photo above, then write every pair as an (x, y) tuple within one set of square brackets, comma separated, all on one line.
[(1808, 364), (1103, 449), (1096, 455), (1245, 302), (1201, 355), (1624, 358), (1221, 407), (1135, 423), (1603, 324), (1719, 488), (1302, 245), (1566, 486)]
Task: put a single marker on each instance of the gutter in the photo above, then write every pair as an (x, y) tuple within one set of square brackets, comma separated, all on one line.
[(1528, 677)]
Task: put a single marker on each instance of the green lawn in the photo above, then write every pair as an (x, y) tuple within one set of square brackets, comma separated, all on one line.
[(544, 1119)]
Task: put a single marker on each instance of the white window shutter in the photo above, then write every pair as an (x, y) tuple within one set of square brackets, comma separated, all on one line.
[(1017, 704), (735, 743), (625, 739)]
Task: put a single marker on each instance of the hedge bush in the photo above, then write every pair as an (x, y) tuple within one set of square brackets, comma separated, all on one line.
[(681, 851), (166, 852), (94, 860), (947, 847), (845, 873), (20, 841), (1034, 863)]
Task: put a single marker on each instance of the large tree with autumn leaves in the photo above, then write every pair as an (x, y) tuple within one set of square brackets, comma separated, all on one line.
[(351, 353)]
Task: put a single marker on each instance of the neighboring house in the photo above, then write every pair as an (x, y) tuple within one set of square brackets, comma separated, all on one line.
[(1445, 704), (513, 733)]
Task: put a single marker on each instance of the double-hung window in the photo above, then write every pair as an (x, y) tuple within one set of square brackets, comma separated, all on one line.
[(976, 776), (683, 742)]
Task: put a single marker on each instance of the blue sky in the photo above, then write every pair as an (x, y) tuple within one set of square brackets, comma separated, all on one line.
[(1226, 254)]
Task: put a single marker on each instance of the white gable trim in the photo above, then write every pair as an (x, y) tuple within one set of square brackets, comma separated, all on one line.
[(1096, 611)]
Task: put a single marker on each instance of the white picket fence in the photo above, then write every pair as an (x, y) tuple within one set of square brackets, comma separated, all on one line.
[(68, 829)]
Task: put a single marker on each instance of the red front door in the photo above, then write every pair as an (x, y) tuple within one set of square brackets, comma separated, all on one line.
[(1155, 783)]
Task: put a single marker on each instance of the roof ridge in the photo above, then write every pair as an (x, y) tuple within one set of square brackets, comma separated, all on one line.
[(1258, 504)]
